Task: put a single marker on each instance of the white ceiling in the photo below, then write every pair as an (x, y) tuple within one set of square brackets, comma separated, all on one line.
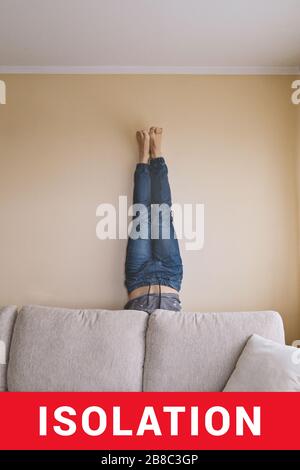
[(150, 35)]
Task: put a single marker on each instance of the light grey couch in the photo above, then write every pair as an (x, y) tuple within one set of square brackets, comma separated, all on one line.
[(56, 349)]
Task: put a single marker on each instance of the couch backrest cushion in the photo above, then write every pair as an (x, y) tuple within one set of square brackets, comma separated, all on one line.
[(7, 319), (198, 351), (55, 349)]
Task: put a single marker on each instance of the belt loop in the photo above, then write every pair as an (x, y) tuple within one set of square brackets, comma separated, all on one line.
[(159, 305), (148, 296)]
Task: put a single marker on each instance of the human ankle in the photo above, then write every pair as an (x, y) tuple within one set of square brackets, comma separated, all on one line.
[(144, 158)]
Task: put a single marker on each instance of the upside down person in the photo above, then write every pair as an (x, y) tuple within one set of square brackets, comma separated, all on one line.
[(153, 267)]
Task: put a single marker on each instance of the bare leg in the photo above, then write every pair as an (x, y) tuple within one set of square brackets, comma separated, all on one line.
[(143, 139), (155, 142)]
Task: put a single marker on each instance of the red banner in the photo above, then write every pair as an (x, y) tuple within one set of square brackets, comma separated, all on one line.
[(191, 421)]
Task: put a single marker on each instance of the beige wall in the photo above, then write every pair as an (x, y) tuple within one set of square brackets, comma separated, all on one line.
[(298, 167), (67, 144)]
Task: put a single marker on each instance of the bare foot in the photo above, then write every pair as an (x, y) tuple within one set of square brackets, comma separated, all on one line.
[(143, 139), (155, 142)]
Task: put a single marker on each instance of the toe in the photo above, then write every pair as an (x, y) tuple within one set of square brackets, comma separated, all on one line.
[(158, 130)]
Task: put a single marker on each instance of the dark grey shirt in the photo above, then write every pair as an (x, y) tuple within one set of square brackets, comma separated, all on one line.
[(150, 302)]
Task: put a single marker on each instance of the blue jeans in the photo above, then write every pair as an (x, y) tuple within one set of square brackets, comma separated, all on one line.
[(153, 260)]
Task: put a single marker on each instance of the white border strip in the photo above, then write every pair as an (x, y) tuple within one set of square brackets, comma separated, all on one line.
[(148, 70)]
